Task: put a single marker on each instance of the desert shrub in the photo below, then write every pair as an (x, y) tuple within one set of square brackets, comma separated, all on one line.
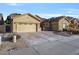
[(10, 37), (18, 36)]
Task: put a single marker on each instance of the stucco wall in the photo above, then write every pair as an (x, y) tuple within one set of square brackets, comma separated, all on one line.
[(61, 22), (14, 27), (54, 26), (2, 28), (25, 19), (39, 28), (45, 26), (25, 24)]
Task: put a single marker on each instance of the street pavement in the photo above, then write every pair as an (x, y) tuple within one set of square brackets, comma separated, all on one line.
[(48, 43)]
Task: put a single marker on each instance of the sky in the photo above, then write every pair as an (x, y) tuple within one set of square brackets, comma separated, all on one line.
[(45, 10)]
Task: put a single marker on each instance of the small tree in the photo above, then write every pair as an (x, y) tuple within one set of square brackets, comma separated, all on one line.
[(72, 26), (1, 19), (9, 18)]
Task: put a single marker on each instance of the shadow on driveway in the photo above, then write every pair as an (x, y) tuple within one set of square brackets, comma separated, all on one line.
[(67, 34)]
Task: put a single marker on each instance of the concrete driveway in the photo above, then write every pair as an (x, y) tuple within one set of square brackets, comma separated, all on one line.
[(48, 43)]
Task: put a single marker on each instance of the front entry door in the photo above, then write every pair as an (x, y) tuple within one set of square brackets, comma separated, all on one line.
[(64, 26)]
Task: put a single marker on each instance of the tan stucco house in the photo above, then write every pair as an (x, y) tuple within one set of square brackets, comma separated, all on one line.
[(55, 24), (25, 23), (60, 23)]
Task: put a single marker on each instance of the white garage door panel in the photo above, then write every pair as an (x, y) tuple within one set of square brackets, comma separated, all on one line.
[(26, 28)]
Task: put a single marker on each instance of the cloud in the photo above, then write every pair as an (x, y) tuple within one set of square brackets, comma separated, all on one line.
[(20, 10), (71, 11), (12, 4), (73, 15), (56, 15), (49, 15)]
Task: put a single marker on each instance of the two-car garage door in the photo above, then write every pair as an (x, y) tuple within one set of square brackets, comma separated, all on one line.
[(26, 28)]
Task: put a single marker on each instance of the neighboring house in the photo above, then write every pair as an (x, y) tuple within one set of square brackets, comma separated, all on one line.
[(25, 23), (60, 23), (2, 26), (46, 25), (76, 23)]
